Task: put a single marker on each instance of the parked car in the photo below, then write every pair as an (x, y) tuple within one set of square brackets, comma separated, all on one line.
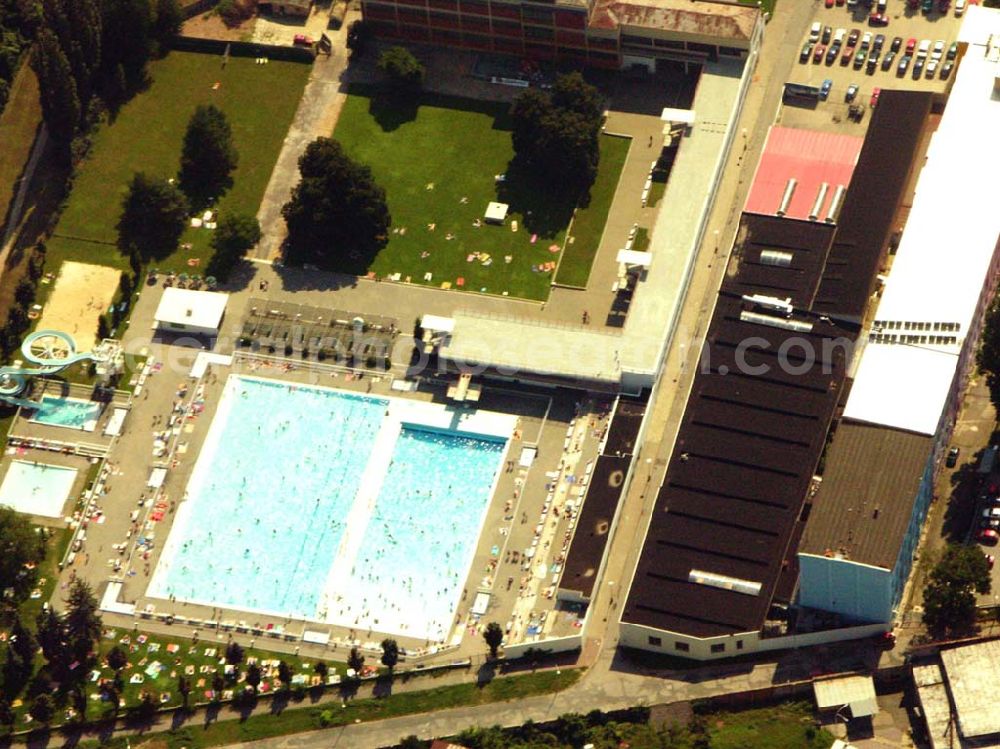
[(824, 90), (991, 512), (852, 38), (831, 54), (952, 460), (852, 91), (959, 7), (946, 70), (859, 59), (866, 41), (888, 60), (904, 63), (988, 536), (815, 30), (827, 34), (303, 40), (806, 52), (828, 3), (818, 52), (839, 35), (931, 69), (918, 67), (897, 42), (876, 92), (952, 51), (878, 19), (938, 51), (872, 65), (911, 45), (845, 59), (878, 43), (993, 523)]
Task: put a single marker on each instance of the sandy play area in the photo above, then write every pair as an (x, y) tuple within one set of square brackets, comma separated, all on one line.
[(81, 295)]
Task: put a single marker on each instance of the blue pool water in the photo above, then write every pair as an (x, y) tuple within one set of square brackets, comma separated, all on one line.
[(67, 412), (267, 500), (319, 504), (421, 534)]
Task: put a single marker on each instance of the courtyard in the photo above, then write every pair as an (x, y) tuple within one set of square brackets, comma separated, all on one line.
[(441, 163)]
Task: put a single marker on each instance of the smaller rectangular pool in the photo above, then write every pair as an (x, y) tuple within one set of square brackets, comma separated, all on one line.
[(72, 413), (37, 488)]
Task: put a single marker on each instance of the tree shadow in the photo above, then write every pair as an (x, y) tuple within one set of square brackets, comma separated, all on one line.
[(486, 673), (546, 211), (382, 687), (392, 111)]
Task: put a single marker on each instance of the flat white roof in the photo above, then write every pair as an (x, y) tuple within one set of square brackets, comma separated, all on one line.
[(685, 116), (945, 253), (858, 692), (190, 308), (496, 211), (973, 672), (554, 349), (438, 323), (635, 257)]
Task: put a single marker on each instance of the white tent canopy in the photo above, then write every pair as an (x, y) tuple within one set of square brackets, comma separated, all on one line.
[(156, 478), (635, 257), (496, 213), (680, 116)]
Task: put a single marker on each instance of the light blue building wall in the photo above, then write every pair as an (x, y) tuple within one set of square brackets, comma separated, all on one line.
[(861, 592)]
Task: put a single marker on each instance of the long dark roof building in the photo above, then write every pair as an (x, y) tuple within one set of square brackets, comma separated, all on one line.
[(728, 516)]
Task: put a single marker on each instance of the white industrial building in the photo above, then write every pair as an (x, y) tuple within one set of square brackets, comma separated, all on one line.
[(914, 366), (190, 311)]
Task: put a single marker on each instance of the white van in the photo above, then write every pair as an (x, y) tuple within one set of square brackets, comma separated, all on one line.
[(814, 31), (959, 7)]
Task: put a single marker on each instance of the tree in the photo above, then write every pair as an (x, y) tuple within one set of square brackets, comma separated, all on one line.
[(126, 27), (184, 687), (152, 218), (321, 670), (82, 622), (254, 676), (208, 157), (49, 629), (336, 207), (556, 135), (20, 660), (359, 37), (59, 98), (22, 549), (493, 634), (234, 654), (117, 660), (6, 714), (411, 742), (988, 354), (284, 673), (404, 73), (355, 661), (390, 653), (950, 595), (42, 708), (233, 237), (167, 21), (218, 684)]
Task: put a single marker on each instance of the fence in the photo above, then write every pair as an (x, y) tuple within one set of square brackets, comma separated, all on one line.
[(243, 49)]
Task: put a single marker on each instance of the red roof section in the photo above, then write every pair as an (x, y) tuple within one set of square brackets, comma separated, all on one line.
[(809, 157)]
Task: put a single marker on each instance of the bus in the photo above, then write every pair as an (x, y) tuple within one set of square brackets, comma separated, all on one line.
[(801, 92)]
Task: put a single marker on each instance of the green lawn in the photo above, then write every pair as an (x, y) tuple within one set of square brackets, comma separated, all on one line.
[(786, 726), (405, 703), (260, 101), (767, 5), (144, 650), (437, 164)]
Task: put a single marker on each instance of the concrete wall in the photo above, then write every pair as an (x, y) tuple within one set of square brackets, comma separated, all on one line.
[(717, 648), (554, 645), (859, 592)]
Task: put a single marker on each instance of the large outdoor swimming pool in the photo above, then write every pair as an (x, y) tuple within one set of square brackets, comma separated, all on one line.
[(313, 503)]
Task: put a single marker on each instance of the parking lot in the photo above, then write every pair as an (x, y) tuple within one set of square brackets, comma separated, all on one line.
[(831, 114)]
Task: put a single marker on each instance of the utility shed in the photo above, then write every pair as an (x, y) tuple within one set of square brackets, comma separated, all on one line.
[(190, 311)]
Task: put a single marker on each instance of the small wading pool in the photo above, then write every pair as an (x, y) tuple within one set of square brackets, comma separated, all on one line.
[(72, 413)]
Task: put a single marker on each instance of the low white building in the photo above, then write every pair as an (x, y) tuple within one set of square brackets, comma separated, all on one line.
[(190, 311)]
